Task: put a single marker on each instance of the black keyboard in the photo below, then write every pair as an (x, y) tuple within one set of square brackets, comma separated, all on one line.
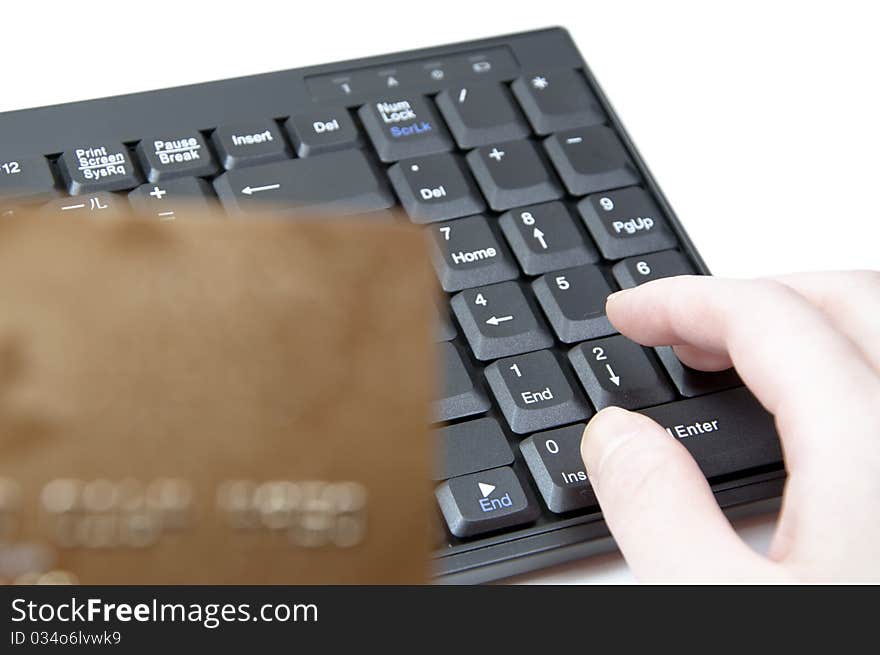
[(538, 206)]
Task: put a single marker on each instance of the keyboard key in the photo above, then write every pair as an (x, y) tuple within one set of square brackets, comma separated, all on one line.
[(324, 130), (404, 127), (727, 432), (435, 188), (98, 167), (591, 159), (513, 174), (470, 447), (557, 100), (691, 382), (183, 197), (546, 238), (625, 222), (638, 270), (481, 114), (498, 321), (96, 205), (26, 180), (249, 144), (574, 301), (444, 327), (341, 182), (459, 395), (535, 392), (554, 460), (467, 253), (619, 372), (482, 502), (178, 155)]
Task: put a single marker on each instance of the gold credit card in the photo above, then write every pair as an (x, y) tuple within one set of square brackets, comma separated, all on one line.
[(235, 402)]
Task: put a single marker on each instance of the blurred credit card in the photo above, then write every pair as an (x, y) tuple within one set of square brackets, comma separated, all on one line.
[(213, 402)]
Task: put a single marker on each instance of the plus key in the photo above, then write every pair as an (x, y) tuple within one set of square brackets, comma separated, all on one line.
[(513, 174)]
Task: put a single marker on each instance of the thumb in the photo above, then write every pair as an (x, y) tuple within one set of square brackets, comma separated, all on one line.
[(659, 506)]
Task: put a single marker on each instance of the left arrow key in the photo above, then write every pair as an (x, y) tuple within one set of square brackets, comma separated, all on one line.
[(341, 182)]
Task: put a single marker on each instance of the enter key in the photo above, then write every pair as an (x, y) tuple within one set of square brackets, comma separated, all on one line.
[(727, 432)]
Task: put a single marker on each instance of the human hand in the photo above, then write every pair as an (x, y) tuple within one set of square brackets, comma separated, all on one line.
[(808, 347)]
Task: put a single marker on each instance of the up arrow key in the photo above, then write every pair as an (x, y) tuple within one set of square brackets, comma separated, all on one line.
[(539, 235)]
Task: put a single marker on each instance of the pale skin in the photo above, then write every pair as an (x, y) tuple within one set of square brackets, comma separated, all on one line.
[(808, 347)]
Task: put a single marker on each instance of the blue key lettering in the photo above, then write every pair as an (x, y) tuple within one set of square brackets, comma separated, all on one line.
[(492, 504), (410, 130)]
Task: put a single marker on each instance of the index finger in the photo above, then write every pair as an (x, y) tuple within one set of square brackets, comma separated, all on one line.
[(784, 349)]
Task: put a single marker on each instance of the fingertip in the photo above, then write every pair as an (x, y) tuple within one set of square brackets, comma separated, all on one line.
[(701, 359), (613, 303), (605, 432)]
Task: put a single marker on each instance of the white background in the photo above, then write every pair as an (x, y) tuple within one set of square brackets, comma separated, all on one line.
[(761, 121)]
